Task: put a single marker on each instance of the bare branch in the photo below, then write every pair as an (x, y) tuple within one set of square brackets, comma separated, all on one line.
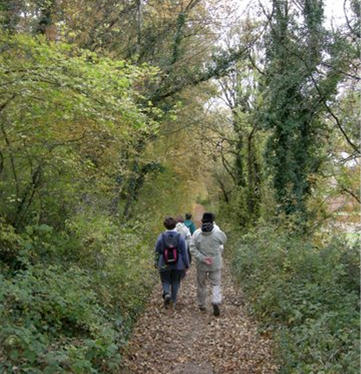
[(357, 198)]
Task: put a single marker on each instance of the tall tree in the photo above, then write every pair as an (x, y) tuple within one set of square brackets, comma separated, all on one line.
[(293, 107)]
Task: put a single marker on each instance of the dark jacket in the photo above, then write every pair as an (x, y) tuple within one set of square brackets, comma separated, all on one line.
[(183, 259)]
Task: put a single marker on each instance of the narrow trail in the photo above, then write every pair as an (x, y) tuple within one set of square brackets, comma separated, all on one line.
[(198, 213), (185, 340)]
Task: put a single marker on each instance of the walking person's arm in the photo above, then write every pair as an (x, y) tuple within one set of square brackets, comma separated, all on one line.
[(194, 248), (222, 240), (184, 252), (222, 237)]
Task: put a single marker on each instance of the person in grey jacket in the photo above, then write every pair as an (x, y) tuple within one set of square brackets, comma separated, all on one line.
[(206, 246), (186, 234), (171, 273)]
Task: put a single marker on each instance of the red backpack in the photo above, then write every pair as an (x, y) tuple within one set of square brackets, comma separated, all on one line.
[(170, 248)]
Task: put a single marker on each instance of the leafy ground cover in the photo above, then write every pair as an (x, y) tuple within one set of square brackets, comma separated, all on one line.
[(185, 340), (68, 302)]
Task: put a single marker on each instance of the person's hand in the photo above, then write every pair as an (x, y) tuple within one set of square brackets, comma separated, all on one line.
[(208, 260)]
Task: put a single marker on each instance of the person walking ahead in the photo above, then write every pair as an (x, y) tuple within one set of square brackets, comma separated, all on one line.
[(189, 223), (206, 248), (186, 234), (171, 259)]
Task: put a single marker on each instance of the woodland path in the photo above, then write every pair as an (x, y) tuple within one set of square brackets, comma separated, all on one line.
[(198, 213), (185, 340)]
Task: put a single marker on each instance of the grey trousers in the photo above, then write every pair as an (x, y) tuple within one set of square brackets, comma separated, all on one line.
[(215, 280)]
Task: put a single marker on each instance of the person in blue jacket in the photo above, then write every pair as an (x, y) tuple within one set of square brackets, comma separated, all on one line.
[(171, 273)]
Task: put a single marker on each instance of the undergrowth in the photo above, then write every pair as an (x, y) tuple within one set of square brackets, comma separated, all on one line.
[(308, 295), (68, 300)]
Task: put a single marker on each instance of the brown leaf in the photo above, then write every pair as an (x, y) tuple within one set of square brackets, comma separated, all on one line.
[(197, 342)]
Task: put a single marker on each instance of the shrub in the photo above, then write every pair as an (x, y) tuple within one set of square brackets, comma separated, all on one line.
[(69, 302), (308, 296), (51, 320)]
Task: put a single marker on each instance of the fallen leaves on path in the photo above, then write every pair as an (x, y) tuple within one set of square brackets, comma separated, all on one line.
[(185, 340)]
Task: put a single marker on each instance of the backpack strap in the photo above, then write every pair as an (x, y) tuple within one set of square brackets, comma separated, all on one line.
[(164, 240)]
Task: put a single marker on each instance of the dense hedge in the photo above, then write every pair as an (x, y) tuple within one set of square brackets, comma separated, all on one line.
[(68, 300), (307, 295)]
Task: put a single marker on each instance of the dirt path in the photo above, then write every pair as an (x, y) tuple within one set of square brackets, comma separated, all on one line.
[(187, 341), (198, 213)]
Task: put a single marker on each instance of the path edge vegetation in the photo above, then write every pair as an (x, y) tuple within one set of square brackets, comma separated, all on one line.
[(305, 293), (73, 275)]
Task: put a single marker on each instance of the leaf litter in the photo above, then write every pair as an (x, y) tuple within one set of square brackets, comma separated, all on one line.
[(185, 340)]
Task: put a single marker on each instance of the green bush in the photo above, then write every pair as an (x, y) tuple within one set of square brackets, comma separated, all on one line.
[(350, 262), (68, 300), (51, 319), (308, 295)]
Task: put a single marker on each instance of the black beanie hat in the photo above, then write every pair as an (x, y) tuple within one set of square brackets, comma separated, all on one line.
[(208, 217)]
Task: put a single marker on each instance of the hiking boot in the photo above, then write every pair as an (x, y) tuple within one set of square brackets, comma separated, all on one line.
[(202, 308), (167, 300), (216, 310)]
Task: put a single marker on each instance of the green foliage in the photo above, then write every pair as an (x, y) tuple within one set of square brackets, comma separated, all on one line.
[(119, 258), (70, 122), (74, 132), (294, 102), (351, 259), (309, 297), (51, 322), (154, 206), (69, 299)]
